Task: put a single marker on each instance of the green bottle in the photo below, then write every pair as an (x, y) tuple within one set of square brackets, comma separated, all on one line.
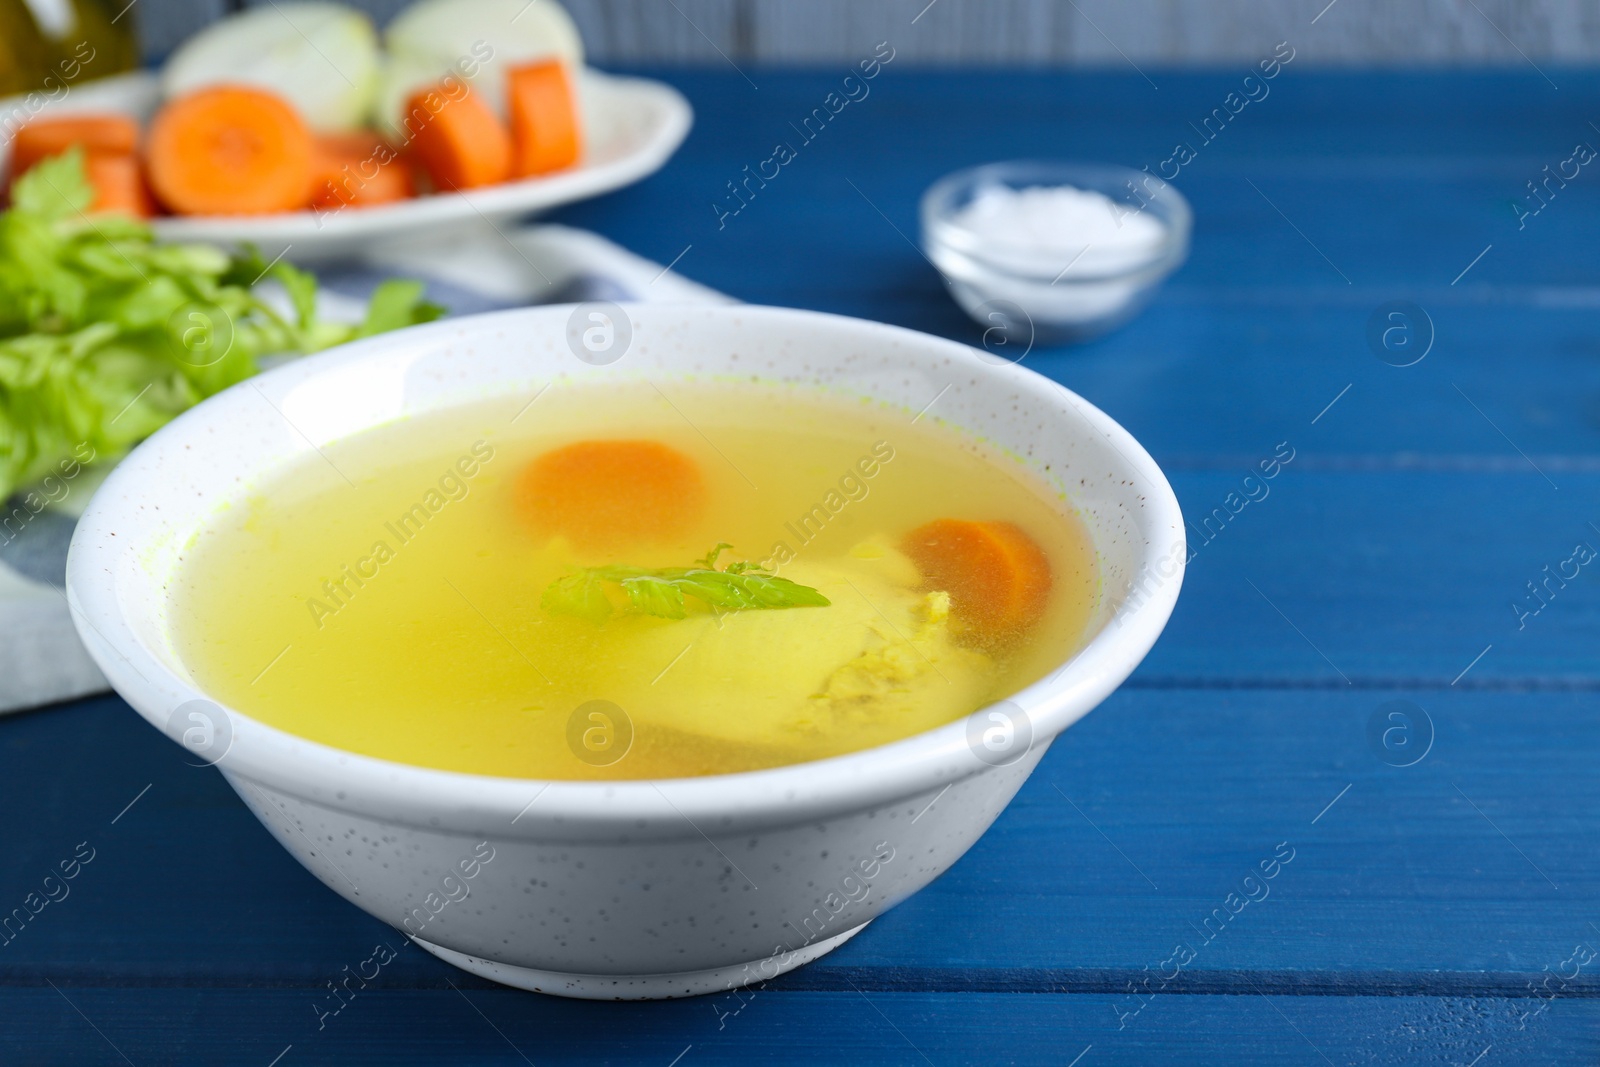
[(50, 45)]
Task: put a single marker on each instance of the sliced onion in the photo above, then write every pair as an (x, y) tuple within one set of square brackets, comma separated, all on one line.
[(321, 57), (476, 40)]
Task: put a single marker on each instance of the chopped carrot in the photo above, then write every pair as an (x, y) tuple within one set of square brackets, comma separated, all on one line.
[(353, 143), (119, 185), (997, 576), (230, 150), (358, 170), (544, 118), (456, 139), (603, 495), (100, 132)]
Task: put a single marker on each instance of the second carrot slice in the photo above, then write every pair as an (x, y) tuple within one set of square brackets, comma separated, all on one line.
[(997, 576), (358, 170), (544, 118), (457, 140)]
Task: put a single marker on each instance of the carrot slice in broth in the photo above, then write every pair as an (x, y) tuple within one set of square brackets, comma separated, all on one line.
[(606, 494), (997, 576)]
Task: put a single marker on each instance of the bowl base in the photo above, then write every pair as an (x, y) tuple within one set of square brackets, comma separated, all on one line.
[(639, 986)]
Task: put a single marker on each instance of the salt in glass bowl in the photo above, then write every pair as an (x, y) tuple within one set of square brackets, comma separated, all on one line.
[(1035, 293)]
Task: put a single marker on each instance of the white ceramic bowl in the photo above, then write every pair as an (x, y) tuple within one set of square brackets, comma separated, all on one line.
[(625, 889)]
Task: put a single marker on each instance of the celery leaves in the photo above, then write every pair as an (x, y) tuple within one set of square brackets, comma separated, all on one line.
[(105, 335), (661, 592)]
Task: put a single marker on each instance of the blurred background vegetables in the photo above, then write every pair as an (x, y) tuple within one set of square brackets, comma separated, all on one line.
[(294, 106), (321, 58), (430, 39), (105, 335)]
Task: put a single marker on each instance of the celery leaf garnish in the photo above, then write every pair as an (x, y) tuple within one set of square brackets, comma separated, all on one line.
[(661, 592)]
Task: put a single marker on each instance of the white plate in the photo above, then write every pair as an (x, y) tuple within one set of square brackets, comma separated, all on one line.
[(631, 127)]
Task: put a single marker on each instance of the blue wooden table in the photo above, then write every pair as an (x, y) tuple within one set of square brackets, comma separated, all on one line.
[(1441, 899)]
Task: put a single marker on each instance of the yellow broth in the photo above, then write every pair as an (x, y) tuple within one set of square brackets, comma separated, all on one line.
[(385, 597)]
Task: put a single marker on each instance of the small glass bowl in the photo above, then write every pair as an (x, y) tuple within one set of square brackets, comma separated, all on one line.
[(1015, 288)]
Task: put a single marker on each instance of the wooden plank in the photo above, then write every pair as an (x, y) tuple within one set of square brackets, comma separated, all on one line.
[(1373, 578), (1397, 576), (1144, 816), (1395, 541), (614, 31), (838, 32), (83, 1025), (1427, 879), (1120, 34), (706, 32), (1255, 339), (1431, 181), (1258, 333), (1117, 34)]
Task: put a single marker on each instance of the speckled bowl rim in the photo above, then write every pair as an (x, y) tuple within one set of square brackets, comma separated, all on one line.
[(424, 797)]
